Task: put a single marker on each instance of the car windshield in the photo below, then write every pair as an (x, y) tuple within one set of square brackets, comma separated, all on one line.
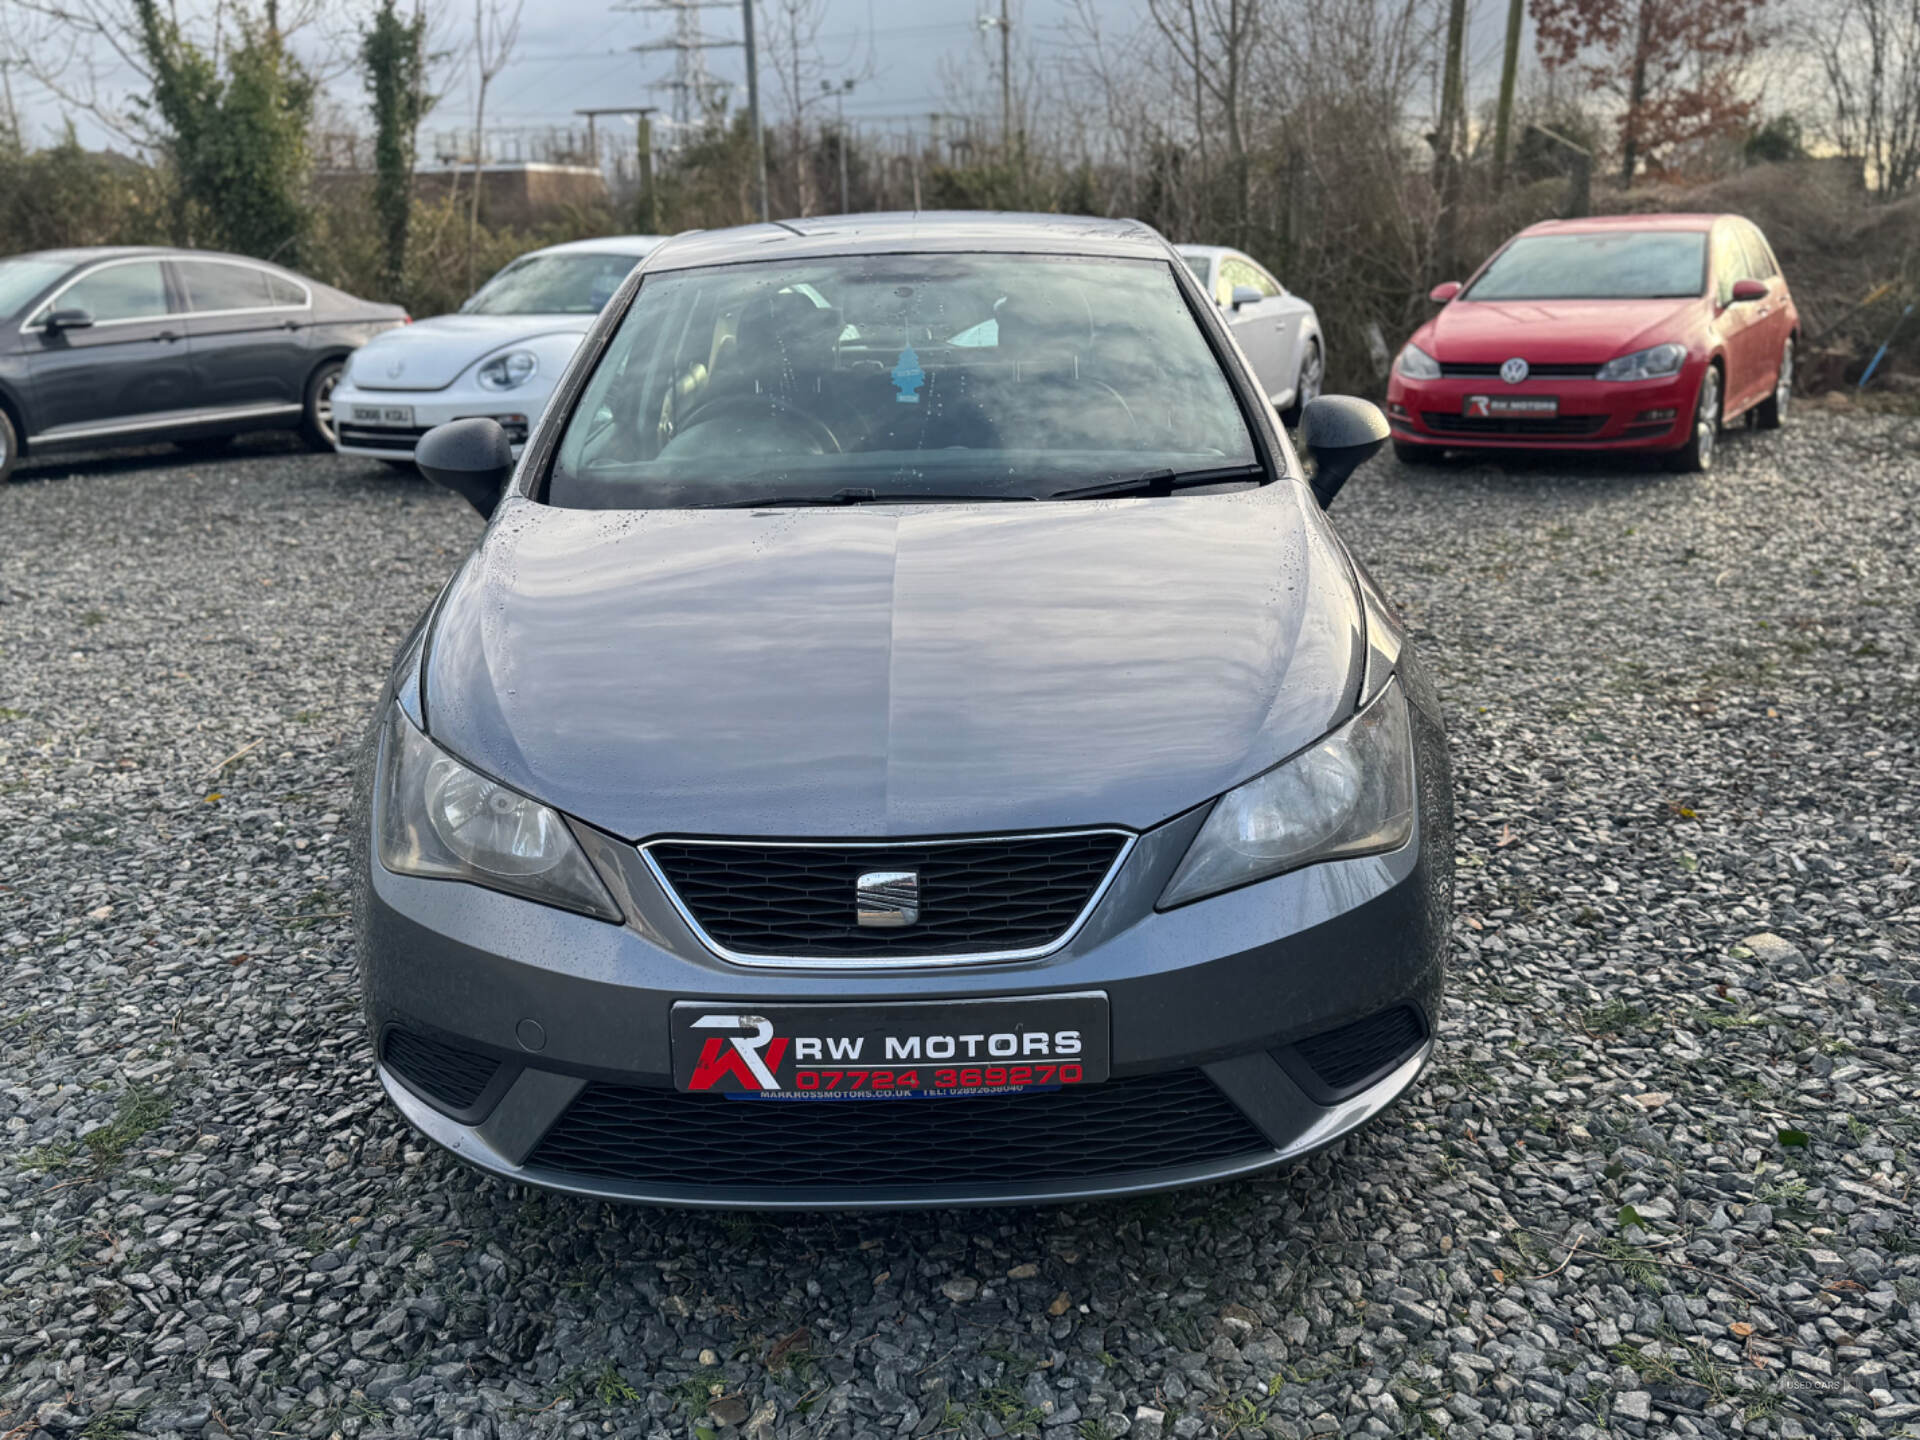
[(553, 285), (1614, 265), (21, 280), (881, 377)]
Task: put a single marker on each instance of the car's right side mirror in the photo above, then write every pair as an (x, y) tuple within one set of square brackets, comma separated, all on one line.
[(1748, 290), (472, 458), (1444, 291), (1341, 433)]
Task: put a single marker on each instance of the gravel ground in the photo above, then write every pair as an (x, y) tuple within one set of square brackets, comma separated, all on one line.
[(1660, 1179)]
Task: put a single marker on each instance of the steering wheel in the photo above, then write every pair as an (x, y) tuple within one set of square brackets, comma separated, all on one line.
[(707, 411)]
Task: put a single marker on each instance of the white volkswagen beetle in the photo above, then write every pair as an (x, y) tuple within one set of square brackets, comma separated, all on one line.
[(1277, 329), (499, 357)]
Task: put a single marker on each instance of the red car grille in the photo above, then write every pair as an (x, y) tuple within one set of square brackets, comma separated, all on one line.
[(1447, 423)]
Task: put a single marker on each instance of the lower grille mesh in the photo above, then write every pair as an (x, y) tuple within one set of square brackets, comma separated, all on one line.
[(1449, 423), (455, 1077), (1346, 1057), (1151, 1123)]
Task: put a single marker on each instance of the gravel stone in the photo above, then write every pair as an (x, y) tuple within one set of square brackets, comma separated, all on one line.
[(1663, 1165)]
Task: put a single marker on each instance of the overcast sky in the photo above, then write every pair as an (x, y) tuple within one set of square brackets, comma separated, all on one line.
[(577, 53)]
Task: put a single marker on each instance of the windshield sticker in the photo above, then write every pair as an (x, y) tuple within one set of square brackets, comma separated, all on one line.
[(908, 377)]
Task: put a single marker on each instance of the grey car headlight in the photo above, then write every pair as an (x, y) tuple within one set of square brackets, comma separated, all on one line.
[(441, 819), (1654, 363), (1416, 364), (508, 371), (1349, 794)]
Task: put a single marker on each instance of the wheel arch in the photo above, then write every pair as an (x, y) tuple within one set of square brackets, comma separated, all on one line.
[(17, 413)]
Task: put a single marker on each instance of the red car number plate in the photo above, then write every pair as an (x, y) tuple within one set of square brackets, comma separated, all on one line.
[(748, 1050), (1494, 407)]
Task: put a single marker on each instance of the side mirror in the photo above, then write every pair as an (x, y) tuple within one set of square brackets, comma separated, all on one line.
[(472, 458), (1444, 291), (58, 320), (1341, 433), (1745, 292), (1246, 295)]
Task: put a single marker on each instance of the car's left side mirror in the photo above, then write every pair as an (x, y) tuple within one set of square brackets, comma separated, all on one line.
[(1444, 291), (472, 458), (1246, 295), (1341, 433), (1748, 290)]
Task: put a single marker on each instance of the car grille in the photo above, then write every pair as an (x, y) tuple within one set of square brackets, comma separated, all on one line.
[(1449, 423), (1154, 1122), (1354, 1056), (1474, 369), (452, 1077), (978, 898), (399, 439)]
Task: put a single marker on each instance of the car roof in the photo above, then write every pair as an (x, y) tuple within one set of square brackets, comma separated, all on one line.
[(604, 245), (1206, 252), (909, 231), (94, 254), (1596, 224)]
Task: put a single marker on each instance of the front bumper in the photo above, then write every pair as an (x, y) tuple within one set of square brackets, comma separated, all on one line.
[(1593, 414), (1225, 1001), (516, 410)]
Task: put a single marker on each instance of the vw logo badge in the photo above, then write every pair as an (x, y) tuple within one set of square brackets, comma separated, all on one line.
[(393, 370), (1514, 371)]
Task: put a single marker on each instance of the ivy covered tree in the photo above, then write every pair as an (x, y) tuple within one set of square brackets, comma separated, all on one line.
[(235, 134), (393, 57)]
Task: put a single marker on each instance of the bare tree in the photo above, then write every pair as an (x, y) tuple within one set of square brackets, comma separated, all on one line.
[(1212, 43), (805, 79), (496, 30), (1867, 54)]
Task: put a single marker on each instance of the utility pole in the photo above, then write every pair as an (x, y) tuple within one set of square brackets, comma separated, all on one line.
[(1503, 117), (691, 82), (1004, 23), (1006, 77), (753, 108), (840, 93)]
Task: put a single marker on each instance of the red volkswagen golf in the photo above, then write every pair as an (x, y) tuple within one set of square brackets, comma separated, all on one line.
[(1623, 332)]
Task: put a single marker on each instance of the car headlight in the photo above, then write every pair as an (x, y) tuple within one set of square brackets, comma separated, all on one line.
[(1655, 363), (440, 819), (1416, 364), (508, 371), (1349, 794)]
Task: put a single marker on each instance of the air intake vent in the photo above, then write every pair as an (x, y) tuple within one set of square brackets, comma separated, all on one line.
[(1149, 1123), (1351, 1058), (452, 1078)]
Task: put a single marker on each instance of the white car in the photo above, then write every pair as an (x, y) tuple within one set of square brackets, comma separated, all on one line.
[(1277, 329), (499, 357)]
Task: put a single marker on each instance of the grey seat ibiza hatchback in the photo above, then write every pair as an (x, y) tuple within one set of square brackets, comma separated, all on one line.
[(908, 735)]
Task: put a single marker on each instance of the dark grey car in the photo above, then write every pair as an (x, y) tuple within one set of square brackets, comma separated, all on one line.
[(102, 347), (908, 736)]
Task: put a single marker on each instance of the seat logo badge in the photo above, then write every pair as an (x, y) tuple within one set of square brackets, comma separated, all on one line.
[(1514, 371), (887, 899)]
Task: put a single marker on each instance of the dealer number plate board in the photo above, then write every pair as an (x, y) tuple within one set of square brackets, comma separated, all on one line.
[(914, 1050)]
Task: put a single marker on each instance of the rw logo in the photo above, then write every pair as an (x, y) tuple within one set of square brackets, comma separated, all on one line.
[(738, 1056)]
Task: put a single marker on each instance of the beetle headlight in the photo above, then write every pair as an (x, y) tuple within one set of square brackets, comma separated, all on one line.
[(441, 819), (1656, 363), (508, 371), (1349, 794), (1416, 364)]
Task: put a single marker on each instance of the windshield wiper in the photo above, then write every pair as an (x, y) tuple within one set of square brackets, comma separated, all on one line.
[(852, 495), (1161, 482)]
